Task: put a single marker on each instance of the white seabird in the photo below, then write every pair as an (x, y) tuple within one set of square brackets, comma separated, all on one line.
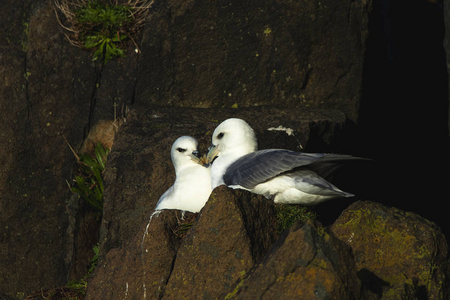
[(286, 176), (192, 185)]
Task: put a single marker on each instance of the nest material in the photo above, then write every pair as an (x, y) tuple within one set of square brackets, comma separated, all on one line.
[(66, 15)]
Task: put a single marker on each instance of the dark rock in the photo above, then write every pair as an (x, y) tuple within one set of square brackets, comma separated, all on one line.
[(233, 231), (41, 102), (305, 58), (398, 254), (85, 223), (291, 54), (142, 266), (307, 263), (218, 249)]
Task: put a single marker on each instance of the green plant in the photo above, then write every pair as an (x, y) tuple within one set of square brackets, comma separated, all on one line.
[(79, 286), (184, 224), (102, 26), (287, 215), (89, 180)]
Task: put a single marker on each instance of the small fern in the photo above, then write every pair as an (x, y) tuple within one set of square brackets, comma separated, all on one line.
[(89, 181)]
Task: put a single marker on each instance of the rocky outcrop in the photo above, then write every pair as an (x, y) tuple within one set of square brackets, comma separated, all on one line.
[(218, 256), (234, 230), (398, 254), (306, 263), (231, 248), (277, 64)]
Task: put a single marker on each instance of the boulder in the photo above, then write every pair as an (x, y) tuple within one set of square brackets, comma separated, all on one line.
[(233, 231), (306, 263), (398, 254)]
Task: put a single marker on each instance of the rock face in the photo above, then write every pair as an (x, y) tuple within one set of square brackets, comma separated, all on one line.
[(142, 266), (307, 263), (40, 103), (227, 59), (231, 249), (221, 245), (282, 53), (397, 254)]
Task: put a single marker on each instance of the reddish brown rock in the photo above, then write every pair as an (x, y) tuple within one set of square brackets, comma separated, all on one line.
[(307, 263), (140, 268), (398, 254), (284, 53), (219, 248), (215, 253)]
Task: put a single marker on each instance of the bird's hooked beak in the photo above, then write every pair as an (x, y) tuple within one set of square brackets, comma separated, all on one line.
[(213, 152), (195, 156)]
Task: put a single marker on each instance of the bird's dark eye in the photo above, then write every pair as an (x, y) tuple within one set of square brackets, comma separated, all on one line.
[(181, 150), (220, 135)]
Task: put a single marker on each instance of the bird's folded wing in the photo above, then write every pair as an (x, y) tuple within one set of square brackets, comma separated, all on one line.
[(257, 167), (260, 166)]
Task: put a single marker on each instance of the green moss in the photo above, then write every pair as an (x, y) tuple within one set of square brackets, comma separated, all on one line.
[(287, 215)]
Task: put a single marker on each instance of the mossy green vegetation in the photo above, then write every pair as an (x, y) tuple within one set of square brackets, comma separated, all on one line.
[(102, 26), (89, 177), (287, 215)]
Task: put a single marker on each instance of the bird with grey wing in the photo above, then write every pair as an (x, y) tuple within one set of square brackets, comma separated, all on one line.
[(282, 175)]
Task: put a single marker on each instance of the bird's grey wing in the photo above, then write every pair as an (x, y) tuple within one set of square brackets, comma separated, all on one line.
[(329, 163), (260, 166), (309, 182), (257, 167)]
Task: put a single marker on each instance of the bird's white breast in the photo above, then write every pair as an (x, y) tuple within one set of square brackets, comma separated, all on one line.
[(190, 191)]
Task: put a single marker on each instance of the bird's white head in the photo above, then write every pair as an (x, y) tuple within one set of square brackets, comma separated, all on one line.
[(184, 152), (234, 138)]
